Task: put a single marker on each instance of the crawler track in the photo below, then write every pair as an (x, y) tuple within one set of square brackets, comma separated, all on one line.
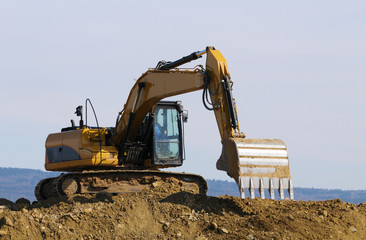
[(118, 181)]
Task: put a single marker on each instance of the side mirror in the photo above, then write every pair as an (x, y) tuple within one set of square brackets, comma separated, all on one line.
[(185, 116)]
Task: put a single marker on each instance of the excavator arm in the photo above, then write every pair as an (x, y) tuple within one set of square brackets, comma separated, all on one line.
[(164, 81), (253, 163), (148, 90)]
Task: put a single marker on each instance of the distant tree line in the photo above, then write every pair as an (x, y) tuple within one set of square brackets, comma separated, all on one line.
[(20, 182)]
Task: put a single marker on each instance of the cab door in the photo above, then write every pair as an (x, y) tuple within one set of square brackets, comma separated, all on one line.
[(167, 140)]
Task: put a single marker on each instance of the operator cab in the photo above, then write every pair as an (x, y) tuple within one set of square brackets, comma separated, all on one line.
[(159, 141), (161, 133), (168, 147)]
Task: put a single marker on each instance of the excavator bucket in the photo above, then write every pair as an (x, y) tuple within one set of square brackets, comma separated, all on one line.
[(257, 164)]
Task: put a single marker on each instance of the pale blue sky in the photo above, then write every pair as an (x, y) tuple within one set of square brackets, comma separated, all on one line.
[(299, 69)]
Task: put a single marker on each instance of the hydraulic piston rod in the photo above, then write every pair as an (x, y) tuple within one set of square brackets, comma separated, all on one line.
[(183, 60)]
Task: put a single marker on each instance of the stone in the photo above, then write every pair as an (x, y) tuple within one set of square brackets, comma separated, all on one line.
[(224, 230), (88, 210), (120, 225), (352, 229), (6, 220), (156, 184), (53, 217), (213, 225), (166, 226), (250, 237)]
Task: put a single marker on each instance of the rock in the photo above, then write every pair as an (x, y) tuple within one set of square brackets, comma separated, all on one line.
[(35, 212), (156, 184), (224, 230), (54, 217), (6, 220), (88, 210), (352, 229), (199, 237), (45, 219), (250, 237), (120, 225), (213, 226), (323, 213), (173, 181), (191, 217), (166, 226)]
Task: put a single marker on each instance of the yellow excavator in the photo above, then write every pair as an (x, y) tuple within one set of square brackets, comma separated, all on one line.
[(148, 136)]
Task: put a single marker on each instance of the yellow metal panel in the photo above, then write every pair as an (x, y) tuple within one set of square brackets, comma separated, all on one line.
[(79, 164)]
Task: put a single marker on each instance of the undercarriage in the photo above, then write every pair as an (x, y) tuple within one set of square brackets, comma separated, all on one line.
[(118, 182)]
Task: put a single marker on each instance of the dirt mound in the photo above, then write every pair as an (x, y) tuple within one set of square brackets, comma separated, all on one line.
[(182, 215)]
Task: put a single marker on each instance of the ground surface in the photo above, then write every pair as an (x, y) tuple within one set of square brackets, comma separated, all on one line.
[(182, 215)]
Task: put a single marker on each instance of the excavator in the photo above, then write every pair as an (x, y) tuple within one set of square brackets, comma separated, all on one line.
[(148, 136)]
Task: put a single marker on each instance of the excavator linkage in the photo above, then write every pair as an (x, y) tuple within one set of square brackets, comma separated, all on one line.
[(257, 164)]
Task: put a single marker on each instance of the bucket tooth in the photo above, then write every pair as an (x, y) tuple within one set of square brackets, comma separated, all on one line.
[(271, 189), (241, 188), (280, 190), (251, 189), (261, 188), (290, 190)]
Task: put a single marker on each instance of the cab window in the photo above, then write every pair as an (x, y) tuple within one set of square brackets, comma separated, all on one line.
[(166, 133)]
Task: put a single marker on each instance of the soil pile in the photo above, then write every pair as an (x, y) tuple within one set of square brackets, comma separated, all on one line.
[(182, 215)]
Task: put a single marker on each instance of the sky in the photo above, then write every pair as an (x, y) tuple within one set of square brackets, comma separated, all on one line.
[(299, 72)]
